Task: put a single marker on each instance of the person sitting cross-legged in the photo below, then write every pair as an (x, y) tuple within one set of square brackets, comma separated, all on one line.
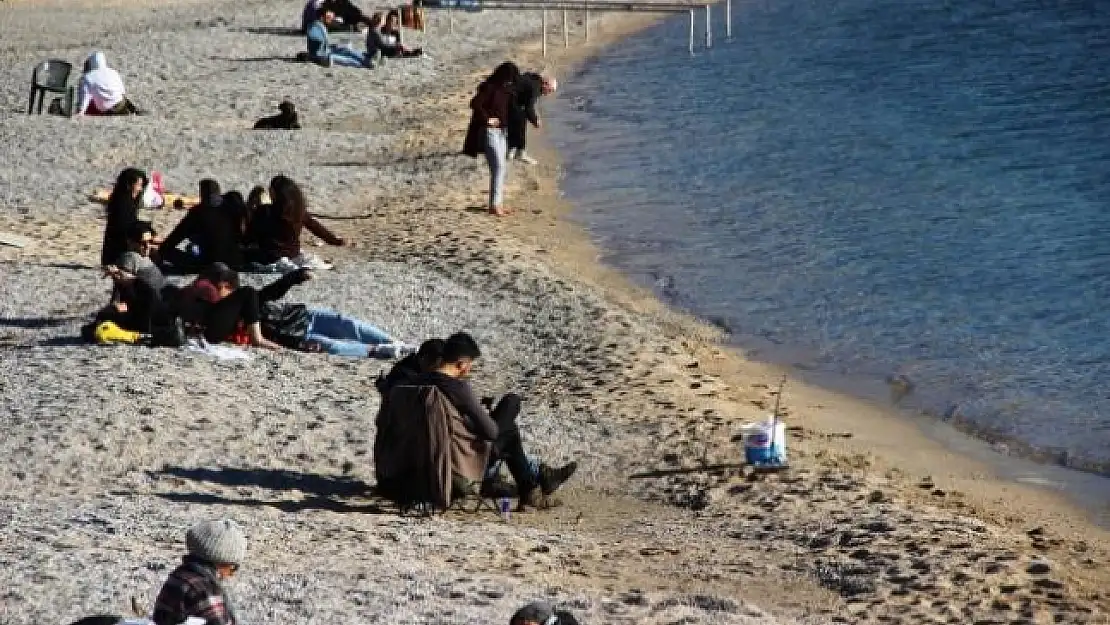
[(535, 482)]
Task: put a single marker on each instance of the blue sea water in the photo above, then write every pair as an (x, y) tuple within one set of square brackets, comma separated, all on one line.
[(875, 188)]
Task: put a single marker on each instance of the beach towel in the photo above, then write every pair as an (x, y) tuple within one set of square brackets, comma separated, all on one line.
[(220, 352)]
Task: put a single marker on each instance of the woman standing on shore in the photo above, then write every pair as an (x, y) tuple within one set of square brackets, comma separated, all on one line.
[(486, 133)]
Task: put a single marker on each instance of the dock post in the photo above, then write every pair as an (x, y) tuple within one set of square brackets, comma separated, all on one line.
[(451, 20), (728, 20), (566, 31), (708, 26), (586, 19), (543, 36), (691, 31)]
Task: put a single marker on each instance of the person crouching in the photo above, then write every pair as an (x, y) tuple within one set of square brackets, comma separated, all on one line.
[(196, 587)]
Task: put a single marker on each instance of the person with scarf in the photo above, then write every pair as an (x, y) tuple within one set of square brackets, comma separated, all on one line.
[(486, 133), (196, 588), (101, 91)]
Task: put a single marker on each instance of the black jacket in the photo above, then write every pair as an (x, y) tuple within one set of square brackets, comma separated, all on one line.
[(526, 93)]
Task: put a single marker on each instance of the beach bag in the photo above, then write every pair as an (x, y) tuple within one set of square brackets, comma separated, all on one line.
[(109, 333)]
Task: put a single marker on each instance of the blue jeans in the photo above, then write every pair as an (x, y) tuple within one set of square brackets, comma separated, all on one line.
[(346, 57), (343, 336)]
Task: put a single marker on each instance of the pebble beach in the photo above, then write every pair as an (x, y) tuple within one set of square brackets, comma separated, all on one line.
[(108, 454)]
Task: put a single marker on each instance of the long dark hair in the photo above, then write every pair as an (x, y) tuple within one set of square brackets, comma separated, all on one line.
[(504, 74), (236, 210), (121, 194), (288, 200)]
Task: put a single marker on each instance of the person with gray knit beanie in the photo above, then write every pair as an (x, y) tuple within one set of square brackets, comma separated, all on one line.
[(216, 550)]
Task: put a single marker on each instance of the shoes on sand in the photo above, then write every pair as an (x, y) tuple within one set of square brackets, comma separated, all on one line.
[(552, 478)]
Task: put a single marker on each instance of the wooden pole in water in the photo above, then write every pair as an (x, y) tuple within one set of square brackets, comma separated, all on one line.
[(566, 31), (708, 27), (691, 31), (544, 35), (586, 19), (728, 20)]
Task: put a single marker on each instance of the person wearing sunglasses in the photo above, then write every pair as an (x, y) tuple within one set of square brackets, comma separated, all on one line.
[(197, 587)]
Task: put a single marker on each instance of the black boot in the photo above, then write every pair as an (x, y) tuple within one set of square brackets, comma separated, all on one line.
[(551, 478)]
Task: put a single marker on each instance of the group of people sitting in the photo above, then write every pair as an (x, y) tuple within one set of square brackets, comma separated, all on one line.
[(146, 308), (383, 40), (260, 233)]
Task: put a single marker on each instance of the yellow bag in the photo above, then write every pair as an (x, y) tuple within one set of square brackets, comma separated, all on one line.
[(109, 333)]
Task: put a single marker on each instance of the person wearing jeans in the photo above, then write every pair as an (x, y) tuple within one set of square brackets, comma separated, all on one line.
[(497, 153), (486, 133), (325, 54), (339, 335)]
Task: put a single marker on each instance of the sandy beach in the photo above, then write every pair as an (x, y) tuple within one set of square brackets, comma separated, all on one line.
[(111, 453)]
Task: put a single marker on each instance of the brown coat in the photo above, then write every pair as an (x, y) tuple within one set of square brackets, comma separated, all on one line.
[(421, 441)]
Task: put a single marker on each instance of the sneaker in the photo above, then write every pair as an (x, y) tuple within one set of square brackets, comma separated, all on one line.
[(551, 478), (496, 487), (524, 158)]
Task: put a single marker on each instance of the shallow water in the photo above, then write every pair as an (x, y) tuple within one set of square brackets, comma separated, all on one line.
[(875, 188)]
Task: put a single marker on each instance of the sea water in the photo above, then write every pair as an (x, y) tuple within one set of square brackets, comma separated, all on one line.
[(874, 190)]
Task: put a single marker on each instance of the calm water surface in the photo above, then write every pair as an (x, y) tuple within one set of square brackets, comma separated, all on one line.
[(876, 188)]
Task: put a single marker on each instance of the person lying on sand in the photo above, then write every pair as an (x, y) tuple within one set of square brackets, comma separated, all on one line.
[(227, 312), (535, 483), (325, 54), (211, 230), (196, 588), (101, 90)]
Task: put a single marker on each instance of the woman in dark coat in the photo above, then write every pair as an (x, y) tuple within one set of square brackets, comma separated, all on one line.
[(486, 133), (123, 213)]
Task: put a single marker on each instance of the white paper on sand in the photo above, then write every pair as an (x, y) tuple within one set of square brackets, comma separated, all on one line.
[(221, 352)]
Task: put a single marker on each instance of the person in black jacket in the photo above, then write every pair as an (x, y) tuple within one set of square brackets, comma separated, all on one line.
[(526, 93), (212, 229), (122, 212), (535, 482)]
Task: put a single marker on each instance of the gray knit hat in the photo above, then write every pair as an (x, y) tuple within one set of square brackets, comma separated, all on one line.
[(218, 542)]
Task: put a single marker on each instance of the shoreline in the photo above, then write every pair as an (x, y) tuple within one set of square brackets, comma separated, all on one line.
[(612, 375)]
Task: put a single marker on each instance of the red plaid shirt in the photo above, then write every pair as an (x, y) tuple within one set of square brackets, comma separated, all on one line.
[(192, 590)]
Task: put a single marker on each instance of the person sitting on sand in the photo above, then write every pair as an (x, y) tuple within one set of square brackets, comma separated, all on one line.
[(325, 54), (101, 90), (405, 371), (276, 229), (122, 212), (386, 38), (486, 133), (215, 551), (535, 482), (212, 231), (526, 93)]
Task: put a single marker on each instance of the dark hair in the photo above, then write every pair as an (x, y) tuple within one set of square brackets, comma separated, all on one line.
[(376, 20), (254, 198), (460, 346), (393, 13), (121, 193), (506, 72), (236, 209), (217, 273), (288, 200), (210, 192), (430, 354)]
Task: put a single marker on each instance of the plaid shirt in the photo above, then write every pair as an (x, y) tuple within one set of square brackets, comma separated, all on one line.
[(192, 590)]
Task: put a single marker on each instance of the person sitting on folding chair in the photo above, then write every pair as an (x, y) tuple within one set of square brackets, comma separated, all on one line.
[(535, 482)]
